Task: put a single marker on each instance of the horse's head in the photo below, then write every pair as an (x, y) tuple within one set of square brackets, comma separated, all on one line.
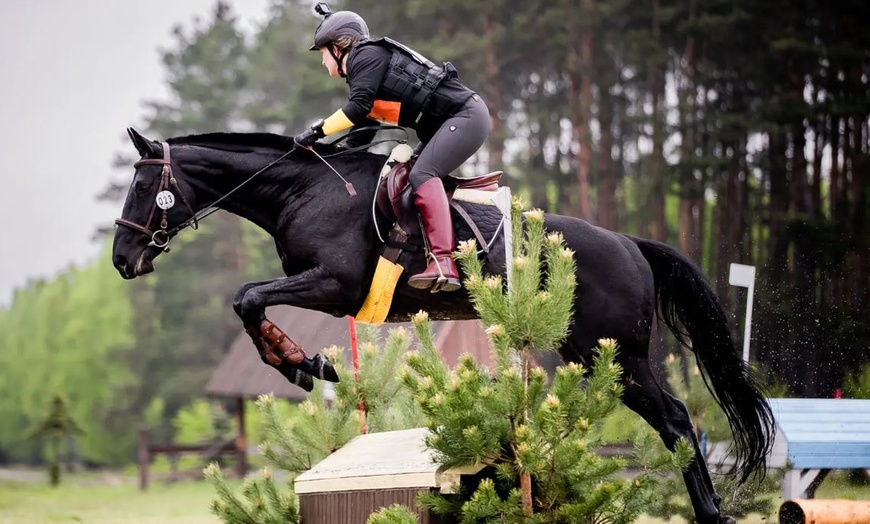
[(155, 207)]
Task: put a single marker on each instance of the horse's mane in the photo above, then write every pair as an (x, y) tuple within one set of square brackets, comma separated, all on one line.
[(236, 142), (251, 142), (271, 143)]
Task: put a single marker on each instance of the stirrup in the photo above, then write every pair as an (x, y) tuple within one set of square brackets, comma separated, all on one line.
[(428, 281), (442, 281), (445, 284)]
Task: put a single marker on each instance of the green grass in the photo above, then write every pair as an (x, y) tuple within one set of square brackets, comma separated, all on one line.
[(179, 503), (87, 498)]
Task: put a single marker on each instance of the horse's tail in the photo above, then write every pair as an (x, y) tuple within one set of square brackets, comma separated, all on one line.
[(686, 299)]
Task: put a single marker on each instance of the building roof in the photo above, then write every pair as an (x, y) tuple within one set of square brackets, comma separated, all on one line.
[(241, 373)]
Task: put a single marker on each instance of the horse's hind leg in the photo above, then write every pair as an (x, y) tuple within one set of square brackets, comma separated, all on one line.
[(669, 417), (269, 353)]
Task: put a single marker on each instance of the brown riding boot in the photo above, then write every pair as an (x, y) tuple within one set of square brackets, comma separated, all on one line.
[(441, 273)]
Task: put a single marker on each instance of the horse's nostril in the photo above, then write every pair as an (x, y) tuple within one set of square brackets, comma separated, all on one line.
[(120, 262)]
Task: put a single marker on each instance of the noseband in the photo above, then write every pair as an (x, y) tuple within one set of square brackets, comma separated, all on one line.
[(161, 237)]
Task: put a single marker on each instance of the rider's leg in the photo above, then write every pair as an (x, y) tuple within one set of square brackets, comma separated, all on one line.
[(434, 210), (454, 142)]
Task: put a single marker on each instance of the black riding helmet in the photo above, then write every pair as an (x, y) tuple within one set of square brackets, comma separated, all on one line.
[(336, 25)]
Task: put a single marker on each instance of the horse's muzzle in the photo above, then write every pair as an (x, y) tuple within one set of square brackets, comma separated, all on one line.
[(124, 267), (130, 271)]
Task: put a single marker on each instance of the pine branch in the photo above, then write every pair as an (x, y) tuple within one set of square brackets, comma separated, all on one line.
[(510, 418)]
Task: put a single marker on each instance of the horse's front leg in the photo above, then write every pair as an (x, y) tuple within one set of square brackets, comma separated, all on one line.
[(292, 374), (314, 286)]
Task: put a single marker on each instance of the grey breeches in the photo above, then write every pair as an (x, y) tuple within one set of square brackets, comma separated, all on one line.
[(459, 137)]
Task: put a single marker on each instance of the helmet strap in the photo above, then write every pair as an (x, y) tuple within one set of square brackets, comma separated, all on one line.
[(339, 59)]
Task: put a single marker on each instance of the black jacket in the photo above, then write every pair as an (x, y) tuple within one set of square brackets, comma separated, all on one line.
[(367, 71)]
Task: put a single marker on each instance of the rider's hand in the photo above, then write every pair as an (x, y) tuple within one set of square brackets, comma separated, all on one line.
[(311, 135)]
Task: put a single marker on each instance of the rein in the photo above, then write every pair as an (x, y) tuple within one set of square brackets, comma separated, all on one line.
[(363, 147)]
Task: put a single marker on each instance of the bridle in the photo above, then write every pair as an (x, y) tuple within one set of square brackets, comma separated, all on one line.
[(166, 196), (164, 199)]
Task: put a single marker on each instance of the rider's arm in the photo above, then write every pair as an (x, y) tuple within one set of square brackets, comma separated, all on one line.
[(336, 122)]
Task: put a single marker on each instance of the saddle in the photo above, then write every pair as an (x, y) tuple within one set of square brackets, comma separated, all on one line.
[(395, 200)]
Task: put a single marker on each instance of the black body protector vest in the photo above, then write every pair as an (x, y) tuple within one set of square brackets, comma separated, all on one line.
[(410, 79)]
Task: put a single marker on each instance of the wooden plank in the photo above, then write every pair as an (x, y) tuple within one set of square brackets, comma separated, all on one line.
[(354, 507), (818, 404), (368, 482), (846, 418), (825, 419), (845, 449), (845, 457), (819, 435)]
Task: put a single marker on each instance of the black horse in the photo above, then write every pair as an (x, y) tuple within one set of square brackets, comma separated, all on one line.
[(328, 248)]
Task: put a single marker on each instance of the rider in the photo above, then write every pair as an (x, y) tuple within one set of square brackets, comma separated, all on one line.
[(393, 84)]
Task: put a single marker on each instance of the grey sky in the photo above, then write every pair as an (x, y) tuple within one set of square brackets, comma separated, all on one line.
[(73, 76)]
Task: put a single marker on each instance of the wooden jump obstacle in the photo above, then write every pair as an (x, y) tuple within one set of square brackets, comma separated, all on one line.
[(815, 436), (371, 472)]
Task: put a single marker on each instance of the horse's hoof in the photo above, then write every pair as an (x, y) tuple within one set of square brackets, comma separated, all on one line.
[(320, 367), (725, 519), (327, 369), (305, 381), (297, 377)]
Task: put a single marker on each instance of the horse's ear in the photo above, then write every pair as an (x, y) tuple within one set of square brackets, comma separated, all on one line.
[(143, 145)]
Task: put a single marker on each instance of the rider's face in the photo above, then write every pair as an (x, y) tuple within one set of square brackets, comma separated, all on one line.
[(328, 61)]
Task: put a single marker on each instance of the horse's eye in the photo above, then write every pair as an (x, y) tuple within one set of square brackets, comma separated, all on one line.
[(142, 188)]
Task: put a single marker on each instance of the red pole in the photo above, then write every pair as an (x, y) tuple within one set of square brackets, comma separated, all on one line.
[(354, 352)]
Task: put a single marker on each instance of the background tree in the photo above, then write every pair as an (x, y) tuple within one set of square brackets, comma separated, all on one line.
[(57, 428)]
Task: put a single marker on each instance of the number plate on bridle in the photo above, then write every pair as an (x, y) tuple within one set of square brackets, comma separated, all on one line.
[(165, 200)]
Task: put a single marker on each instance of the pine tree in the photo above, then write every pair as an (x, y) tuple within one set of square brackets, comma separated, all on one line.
[(56, 427), (539, 439), (373, 399), (395, 514)]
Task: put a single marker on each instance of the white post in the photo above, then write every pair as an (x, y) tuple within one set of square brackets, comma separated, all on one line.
[(744, 276)]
